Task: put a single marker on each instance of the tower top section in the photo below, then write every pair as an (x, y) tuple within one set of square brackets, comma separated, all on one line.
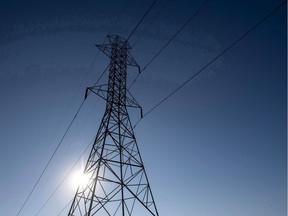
[(115, 92), (120, 46)]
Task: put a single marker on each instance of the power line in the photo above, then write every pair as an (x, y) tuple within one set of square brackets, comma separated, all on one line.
[(65, 177), (140, 21), (213, 60), (57, 147), (59, 185), (150, 23), (65, 207), (100, 76), (52, 156), (169, 41)]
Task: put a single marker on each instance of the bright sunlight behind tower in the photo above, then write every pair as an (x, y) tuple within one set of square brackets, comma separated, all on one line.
[(79, 179)]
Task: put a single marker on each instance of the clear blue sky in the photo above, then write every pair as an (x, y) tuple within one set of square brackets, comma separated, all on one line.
[(216, 148)]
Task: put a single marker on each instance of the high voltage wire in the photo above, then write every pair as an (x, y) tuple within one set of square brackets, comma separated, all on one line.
[(169, 41), (70, 170), (68, 173), (57, 147), (213, 60), (65, 207), (150, 23), (140, 21), (52, 156)]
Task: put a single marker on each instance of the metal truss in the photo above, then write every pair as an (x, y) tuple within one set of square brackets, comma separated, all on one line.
[(118, 183)]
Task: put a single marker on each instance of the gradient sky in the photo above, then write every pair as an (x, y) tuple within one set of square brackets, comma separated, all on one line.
[(215, 148)]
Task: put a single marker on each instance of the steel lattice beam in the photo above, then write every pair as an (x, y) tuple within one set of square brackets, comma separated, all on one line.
[(118, 183)]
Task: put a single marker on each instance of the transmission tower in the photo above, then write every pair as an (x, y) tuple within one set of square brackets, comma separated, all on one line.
[(118, 183)]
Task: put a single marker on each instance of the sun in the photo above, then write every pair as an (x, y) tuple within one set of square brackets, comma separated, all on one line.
[(79, 179)]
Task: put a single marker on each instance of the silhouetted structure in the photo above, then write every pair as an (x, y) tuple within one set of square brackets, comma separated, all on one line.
[(118, 184)]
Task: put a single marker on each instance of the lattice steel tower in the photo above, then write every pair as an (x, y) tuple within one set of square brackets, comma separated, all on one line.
[(118, 184)]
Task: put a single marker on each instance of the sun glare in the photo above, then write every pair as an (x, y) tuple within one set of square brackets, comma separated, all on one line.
[(79, 179)]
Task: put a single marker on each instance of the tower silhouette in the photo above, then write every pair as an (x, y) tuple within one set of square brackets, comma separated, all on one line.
[(118, 183)]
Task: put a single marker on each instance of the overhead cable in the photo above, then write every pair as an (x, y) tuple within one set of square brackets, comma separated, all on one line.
[(170, 40), (214, 59)]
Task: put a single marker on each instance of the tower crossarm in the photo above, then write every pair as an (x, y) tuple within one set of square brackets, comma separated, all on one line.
[(101, 91)]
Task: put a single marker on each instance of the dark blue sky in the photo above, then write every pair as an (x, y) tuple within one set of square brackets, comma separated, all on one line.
[(216, 148)]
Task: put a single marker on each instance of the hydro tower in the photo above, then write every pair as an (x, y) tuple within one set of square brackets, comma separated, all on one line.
[(118, 183)]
